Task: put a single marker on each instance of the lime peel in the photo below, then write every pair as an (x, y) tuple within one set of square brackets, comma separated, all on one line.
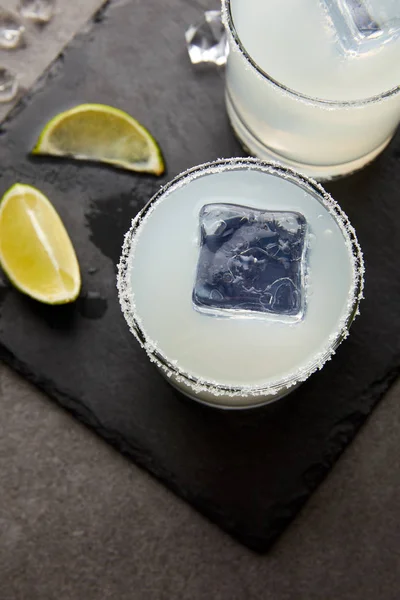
[(102, 133), (36, 252)]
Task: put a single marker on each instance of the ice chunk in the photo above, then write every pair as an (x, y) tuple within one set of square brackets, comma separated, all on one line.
[(206, 42), (250, 260), (8, 85), (40, 11), (364, 25), (11, 30)]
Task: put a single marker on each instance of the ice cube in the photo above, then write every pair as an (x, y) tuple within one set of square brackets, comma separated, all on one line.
[(364, 25), (251, 261), (8, 85), (206, 42), (11, 30), (40, 11)]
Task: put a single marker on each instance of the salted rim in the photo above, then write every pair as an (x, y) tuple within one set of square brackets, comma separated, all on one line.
[(170, 368), (227, 20)]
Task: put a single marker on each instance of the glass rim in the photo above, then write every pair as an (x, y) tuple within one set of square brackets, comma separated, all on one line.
[(227, 19), (214, 388)]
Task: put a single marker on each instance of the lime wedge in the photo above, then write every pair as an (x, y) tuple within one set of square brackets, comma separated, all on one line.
[(35, 250), (101, 133)]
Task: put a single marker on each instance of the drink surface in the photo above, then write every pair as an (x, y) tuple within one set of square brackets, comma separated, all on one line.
[(326, 49), (256, 349)]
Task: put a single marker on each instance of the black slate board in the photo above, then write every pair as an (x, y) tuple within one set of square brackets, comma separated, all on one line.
[(249, 472)]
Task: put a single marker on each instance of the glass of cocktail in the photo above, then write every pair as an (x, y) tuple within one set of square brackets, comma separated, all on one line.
[(316, 84), (239, 279)]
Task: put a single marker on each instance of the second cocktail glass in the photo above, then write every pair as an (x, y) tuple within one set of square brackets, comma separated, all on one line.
[(314, 85)]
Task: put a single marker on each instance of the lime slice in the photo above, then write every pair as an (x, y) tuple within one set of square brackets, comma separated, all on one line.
[(101, 133), (35, 250)]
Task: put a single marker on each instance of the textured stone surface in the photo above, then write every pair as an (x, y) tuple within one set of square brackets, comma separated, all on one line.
[(363, 196)]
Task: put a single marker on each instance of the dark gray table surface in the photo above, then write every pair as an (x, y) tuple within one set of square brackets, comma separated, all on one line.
[(78, 521)]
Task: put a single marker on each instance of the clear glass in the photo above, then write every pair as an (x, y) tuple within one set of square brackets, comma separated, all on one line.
[(322, 138), (211, 391)]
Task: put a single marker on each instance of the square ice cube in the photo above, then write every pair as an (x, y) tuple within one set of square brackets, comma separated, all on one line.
[(364, 25), (250, 261)]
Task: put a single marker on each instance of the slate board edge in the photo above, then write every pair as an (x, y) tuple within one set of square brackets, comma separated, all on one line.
[(280, 515)]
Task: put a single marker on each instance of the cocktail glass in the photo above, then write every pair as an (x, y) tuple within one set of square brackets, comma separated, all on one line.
[(314, 85), (239, 279)]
